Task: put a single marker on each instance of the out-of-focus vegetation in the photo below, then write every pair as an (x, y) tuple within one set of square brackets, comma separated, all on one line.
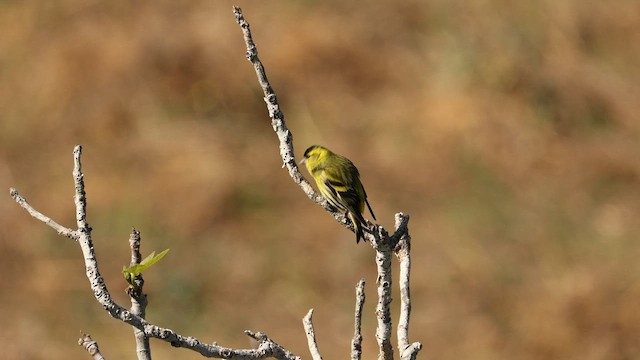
[(508, 130)]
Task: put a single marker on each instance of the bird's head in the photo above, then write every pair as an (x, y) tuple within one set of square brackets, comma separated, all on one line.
[(313, 155)]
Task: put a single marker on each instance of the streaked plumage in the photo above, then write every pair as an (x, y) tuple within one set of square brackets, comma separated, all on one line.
[(339, 182)]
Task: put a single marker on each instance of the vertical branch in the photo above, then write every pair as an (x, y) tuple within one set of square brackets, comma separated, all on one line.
[(80, 197), (403, 252), (138, 298), (134, 244), (383, 312), (356, 343), (311, 336), (86, 243)]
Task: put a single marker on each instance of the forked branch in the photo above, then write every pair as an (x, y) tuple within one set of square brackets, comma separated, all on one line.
[(266, 347), (378, 237)]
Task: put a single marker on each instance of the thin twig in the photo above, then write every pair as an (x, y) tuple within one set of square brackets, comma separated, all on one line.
[(138, 298), (311, 336), (356, 342), (91, 346), (64, 231)]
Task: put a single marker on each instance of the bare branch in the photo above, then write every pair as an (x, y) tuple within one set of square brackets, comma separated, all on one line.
[(376, 235), (270, 347), (383, 311), (279, 126), (402, 223), (356, 343), (277, 117), (134, 245), (138, 298), (80, 197), (64, 231), (403, 252), (91, 346), (266, 347), (311, 336)]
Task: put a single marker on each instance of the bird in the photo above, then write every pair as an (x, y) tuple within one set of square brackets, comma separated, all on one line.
[(339, 183)]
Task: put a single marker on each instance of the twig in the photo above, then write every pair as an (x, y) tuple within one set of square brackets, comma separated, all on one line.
[(138, 298), (403, 252), (356, 342), (64, 231), (91, 346), (311, 336), (266, 347)]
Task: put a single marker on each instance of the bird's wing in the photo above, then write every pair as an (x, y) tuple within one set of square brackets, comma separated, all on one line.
[(346, 195)]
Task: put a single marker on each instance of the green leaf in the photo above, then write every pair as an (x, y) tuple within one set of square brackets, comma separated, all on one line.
[(137, 269)]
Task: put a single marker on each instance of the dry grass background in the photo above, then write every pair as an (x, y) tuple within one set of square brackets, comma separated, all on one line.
[(508, 131)]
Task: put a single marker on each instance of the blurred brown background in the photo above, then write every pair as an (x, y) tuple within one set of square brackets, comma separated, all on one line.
[(508, 131)]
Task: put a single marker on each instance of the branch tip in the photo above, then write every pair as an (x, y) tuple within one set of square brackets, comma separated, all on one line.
[(90, 345), (257, 336), (311, 336), (309, 314)]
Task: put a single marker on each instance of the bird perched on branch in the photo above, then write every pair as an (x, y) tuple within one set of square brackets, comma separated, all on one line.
[(339, 182)]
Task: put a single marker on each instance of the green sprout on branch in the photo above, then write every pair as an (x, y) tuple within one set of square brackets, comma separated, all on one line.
[(131, 272)]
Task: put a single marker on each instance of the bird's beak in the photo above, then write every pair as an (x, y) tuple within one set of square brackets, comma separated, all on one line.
[(303, 161)]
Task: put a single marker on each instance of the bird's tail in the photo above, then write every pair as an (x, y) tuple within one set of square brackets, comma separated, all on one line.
[(357, 224)]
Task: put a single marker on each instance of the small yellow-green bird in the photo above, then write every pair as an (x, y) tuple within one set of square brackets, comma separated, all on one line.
[(339, 182)]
